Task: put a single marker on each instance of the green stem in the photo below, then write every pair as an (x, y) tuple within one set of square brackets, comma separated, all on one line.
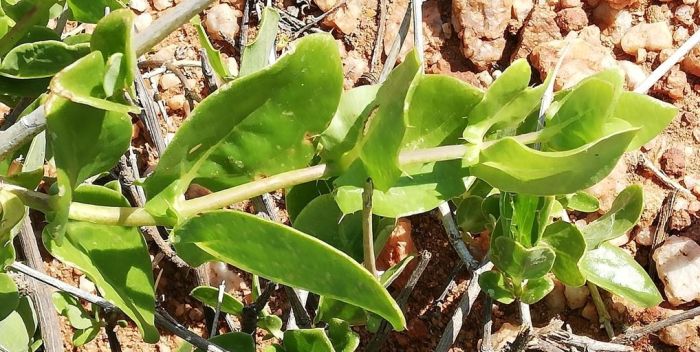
[(603, 314), (126, 216)]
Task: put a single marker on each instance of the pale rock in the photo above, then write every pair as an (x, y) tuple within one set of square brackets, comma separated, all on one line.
[(570, 3), (576, 297), (521, 9), (572, 19), (620, 4), (354, 66), (222, 22), (540, 27), (161, 5), (675, 84), (485, 78), (556, 300), (480, 24), (680, 35), (177, 102), (168, 80), (589, 312), (85, 284), (678, 264), (232, 66), (658, 13), (644, 235), (621, 240), (650, 36), (165, 54), (504, 335), (641, 56), (142, 21), (634, 74), (607, 189), (690, 181), (622, 23), (691, 63), (583, 60), (685, 334), (139, 5), (604, 15), (346, 18), (590, 34), (684, 15)]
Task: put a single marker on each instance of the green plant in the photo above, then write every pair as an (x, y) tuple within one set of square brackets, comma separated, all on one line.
[(291, 126)]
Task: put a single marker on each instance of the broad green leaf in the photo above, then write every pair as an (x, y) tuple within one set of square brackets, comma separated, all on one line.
[(623, 215), (128, 285), (616, 271), (342, 337), (437, 111), (32, 165), (307, 340), (83, 336), (568, 245), (513, 167), (344, 129), (297, 197), (650, 115), (322, 219), (494, 107), (216, 61), (27, 14), (582, 116), (256, 54), (520, 262), (112, 36), (272, 324), (269, 249), (210, 295), (14, 335), (38, 34), (91, 11), (30, 88), (83, 82), (535, 289), (496, 286), (40, 59), (376, 153), (9, 296), (79, 38), (113, 74), (70, 308), (26, 310), (580, 201), (267, 130), (329, 309), (470, 217), (530, 217), (234, 341), (11, 213)]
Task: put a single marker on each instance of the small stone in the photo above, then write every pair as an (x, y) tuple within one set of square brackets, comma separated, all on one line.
[(680, 35), (675, 84), (556, 300), (177, 102), (485, 78), (572, 19), (673, 162), (634, 74), (142, 21), (680, 220), (576, 297), (590, 34), (684, 334), (222, 22), (163, 347), (590, 312), (232, 66), (604, 15), (658, 13), (620, 4), (139, 5), (641, 56), (521, 9), (583, 60), (696, 135), (354, 66), (196, 314), (684, 15), (346, 18), (691, 63), (650, 36), (161, 5), (541, 27), (85, 284), (480, 25), (689, 119), (678, 264), (168, 80), (165, 54)]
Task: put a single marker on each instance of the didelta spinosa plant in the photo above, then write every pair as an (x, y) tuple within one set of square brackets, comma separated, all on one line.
[(421, 139)]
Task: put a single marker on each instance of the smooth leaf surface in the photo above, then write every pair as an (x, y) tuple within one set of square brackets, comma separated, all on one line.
[(12, 211), (128, 285), (14, 335), (216, 61), (535, 289), (40, 59), (513, 167), (83, 336), (272, 324), (376, 152), (344, 129), (618, 272), (650, 115), (9, 296), (268, 249), (266, 131), (297, 197), (26, 310), (520, 262), (307, 340), (623, 215), (91, 11), (210, 295), (71, 308), (580, 201), (256, 54), (234, 341), (507, 87), (495, 285), (568, 245), (112, 36), (342, 337), (470, 217)]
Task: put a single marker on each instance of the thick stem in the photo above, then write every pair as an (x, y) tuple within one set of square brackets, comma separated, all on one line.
[(525, 316), (367, 233)]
